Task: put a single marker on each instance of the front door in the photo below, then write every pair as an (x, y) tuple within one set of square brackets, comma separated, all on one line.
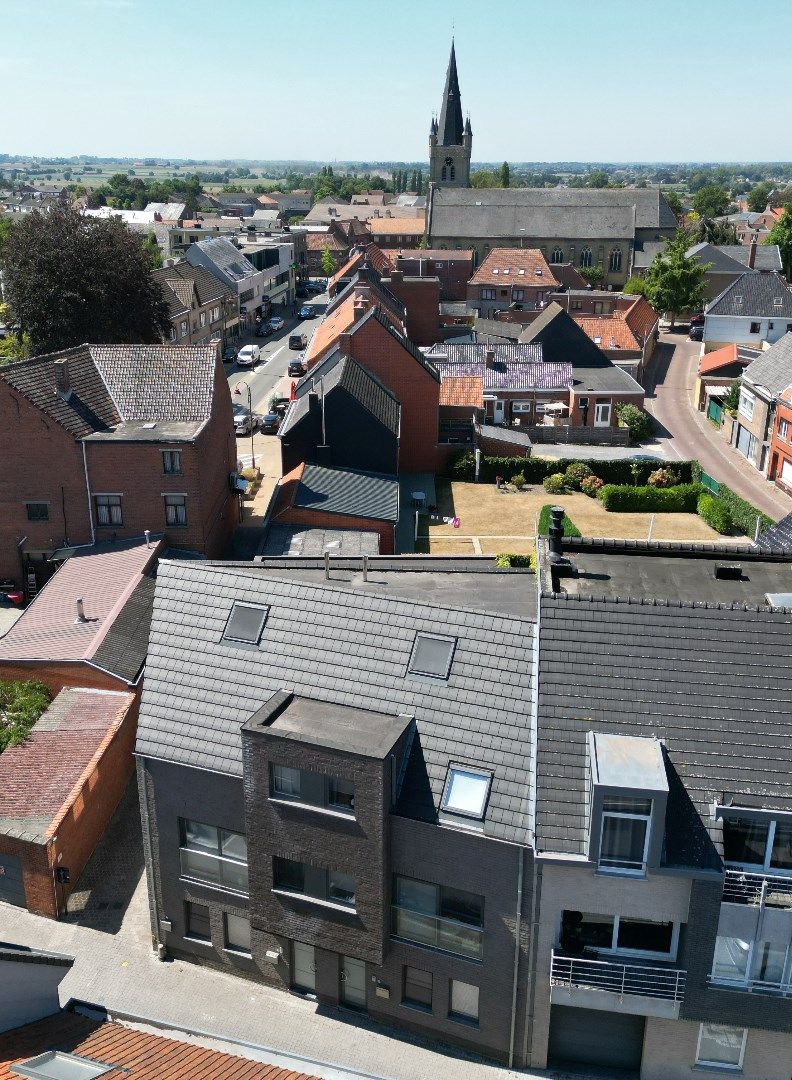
[(353, 982), (12, 888), (498, 411), (303, 974), (602, 414)]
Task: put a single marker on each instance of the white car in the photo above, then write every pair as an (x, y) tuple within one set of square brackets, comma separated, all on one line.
[(248, 356)]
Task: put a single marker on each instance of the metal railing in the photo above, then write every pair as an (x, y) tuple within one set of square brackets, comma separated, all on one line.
[(751, 986), (762, 889), (615, 978), (438, 933)]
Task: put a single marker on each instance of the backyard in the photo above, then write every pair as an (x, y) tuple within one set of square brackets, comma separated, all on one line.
[(493, 521)]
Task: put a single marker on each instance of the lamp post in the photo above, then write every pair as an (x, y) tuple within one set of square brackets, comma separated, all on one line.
[(238, 390)]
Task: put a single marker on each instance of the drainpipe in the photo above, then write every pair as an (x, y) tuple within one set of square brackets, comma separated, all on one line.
[(517, 927), (88, 493)]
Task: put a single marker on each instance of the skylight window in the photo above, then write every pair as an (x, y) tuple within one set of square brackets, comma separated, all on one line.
[(432, 656), (54, 1065), (245, 623), (521, 270), (495, 270), (466, 791)]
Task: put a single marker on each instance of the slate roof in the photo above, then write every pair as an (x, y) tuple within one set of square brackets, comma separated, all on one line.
[(506, 435), (226, 257), (495, 328), (207, 286), (349, 646), (359, 383), (40, 779), (123, 648), (778, 537), (724, 716), (451, 127), (767, 257), (510, 374), (772, 369), (752, 295), (348, 491), (721, 261)]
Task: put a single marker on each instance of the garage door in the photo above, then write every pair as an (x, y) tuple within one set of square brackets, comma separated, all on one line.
[(591, 1037), (12, 889)]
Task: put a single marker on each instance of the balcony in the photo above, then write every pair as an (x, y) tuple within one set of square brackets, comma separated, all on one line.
[(449, 935), (752, 986), (637, 988), (759, 890)]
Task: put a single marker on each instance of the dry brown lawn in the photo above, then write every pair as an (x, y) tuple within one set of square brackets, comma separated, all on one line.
[(491, 522)]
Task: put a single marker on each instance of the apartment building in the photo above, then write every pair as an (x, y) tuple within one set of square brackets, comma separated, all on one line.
[(201, 307)]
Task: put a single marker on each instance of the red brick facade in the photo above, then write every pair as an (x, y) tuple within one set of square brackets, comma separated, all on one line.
[(780, 469), (421, 299)]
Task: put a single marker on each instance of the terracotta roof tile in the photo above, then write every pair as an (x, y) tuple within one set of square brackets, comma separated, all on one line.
[(717, 359), (503, 266), (608, 331), (641, 318), (462, 390), (404, 226), (330, 329)]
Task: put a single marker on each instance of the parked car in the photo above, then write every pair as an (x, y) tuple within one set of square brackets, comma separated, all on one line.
[(229, 354), (305, 312), (270, 423), (263, 330), (276, 323), (696, 333), (298, 340), (296, 368), (317, 286), (301, 292), (244, 420), (697, 319), (248, 356)]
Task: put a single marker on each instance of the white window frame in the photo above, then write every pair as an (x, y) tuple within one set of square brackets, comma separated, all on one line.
[(645, 954), (599, 406), (621, 870), (522, 406), (783, 429), (763, 867), (747, 404), (720, 1064), (180, 508)]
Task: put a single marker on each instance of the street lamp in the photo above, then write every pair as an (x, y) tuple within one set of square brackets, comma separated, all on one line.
[(238, 390)]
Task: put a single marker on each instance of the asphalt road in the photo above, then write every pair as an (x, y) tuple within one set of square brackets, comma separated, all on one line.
[(275, 357)]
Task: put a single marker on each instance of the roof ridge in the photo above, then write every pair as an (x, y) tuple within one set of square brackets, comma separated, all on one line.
[(659, 601)]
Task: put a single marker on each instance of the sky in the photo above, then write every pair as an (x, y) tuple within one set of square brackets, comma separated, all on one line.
[(543, 80)]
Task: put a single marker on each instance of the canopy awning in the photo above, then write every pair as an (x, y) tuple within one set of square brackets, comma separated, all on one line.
[(716, 391), (556, 406)]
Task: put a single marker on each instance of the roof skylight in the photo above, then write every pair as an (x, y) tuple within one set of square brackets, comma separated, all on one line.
[(466, 791), (55, 1065), (432, 656), (245, 623)]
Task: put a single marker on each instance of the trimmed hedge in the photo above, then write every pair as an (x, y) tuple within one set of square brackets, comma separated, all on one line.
[(570, 529), (462, 467), (715, 512), (506, 561), (682, 499), (743, 513)]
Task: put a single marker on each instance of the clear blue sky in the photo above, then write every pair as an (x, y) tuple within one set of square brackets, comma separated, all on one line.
[(591, 80)]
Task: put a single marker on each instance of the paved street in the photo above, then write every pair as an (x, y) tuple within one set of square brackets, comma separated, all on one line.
[(685, 433)]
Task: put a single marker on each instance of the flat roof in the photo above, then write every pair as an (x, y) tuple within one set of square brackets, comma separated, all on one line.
[(628, 761)]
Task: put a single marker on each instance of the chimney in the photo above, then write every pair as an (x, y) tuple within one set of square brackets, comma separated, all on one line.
[(489, 361), (345, 344), (62, 380), (313, 403), (752, 251), (556, 531), (397, 276), (80, 611)]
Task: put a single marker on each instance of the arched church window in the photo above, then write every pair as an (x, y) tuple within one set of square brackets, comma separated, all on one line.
[(615, 261), (557, 256), (585, 258)]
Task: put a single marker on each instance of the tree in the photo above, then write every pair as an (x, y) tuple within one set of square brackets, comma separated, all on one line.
[(152, 250), (759, 197), (711, 201), (781, 234), (674, 201), (674, 281), (483, 178), (504, 174), (21, 704), (594, 275), (329, 265), (70, 279), (597, 179), (636, 286)]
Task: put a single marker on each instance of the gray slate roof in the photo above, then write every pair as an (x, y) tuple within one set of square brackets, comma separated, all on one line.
[(341, 646), (346, 374), (226, 257), (297, 540), (778, 537), (348, 491), (767, 258), (754, 295), (494, 328), (123, 650), (772, 369), (712, 682)]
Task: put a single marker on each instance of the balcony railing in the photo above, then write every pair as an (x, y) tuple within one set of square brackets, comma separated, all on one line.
[(752, 986), (438, 933), (615, 978), (762, 889)]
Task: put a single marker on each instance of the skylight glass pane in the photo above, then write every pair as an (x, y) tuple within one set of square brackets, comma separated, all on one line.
[(466, 792), (432, 656), (245, 623), (54, 1065)]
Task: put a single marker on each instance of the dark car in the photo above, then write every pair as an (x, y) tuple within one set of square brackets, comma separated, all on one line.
[(296, 368), (696, 333), (316, 286), (270, 423), (298, 340), (697, 319), (301, 292), (229, 354), (305, 312), (264, 330)]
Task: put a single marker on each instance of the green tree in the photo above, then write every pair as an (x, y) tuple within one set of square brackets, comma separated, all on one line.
[(152, 250), (731, 400), (21, 704), (483, 178), (70, 279), (711, 201), (597, 179), (594, 275), (675, 282), (329, 265), (504, 174), (781, 234), (759, 197), (636, 286), (674, 201)]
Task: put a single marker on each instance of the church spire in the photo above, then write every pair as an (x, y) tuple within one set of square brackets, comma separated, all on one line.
[(451, 123)]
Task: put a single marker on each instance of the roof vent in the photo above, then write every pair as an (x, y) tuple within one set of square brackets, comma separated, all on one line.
[(728, 571), (80, 611), (506, 270), (777, 301), (495, 270), (150, 424), (522, 270)]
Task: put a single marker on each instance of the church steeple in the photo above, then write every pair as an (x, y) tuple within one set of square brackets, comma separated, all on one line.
[(450, 138), (451, 123)]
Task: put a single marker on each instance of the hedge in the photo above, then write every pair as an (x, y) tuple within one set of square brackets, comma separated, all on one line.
[(682, 499), (743, 513), (715, 512), (22, 702), (462, 467), (544, 523), (506, 561)]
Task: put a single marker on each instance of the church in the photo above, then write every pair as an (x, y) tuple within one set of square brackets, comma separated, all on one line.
[(587, 227)]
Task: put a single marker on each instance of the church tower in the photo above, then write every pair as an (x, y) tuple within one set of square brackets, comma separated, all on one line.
[(450, 140)]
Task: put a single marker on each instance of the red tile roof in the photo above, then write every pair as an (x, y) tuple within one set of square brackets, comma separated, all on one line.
[(608, 331), (503, 265), (641, 318), (330, 329), (717, 359), (462, 390), (404, 226), (136, 1055), (105, 577)]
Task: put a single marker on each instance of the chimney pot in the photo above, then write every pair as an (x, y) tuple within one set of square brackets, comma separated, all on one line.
[(489, 358), (556, 531), (80, 611), (62, 380)]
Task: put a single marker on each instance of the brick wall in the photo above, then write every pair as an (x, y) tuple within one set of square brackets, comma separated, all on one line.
[(780, 448), (56, 675), (297, 515), (576, 413), (37, 874), (421, 299)]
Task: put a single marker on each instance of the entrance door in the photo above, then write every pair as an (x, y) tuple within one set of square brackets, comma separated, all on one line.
[(498, 411), (353, 982), (602, 414), (303, 973), (589, 1037), (12, 888)]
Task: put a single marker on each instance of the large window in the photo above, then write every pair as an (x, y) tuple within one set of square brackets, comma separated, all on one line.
[(313, 789), (622, 934), (747, 402), (766, 964), (488, 294), (314, 882), (213, 855), (615, 261), (417, 989), (464, 1001), (108, 510), (438, 916), (175, 510), (171, 461), (624, 842), (237, 933), (557, 256), (720, 1045), (756, 844), (585, 259), (196, 920)]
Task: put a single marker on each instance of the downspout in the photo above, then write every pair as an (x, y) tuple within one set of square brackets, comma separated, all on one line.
[(517, 929), (157, 944), (88, 493)]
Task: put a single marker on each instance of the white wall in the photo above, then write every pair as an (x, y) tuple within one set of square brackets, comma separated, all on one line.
[(28, 991), (727, 328)]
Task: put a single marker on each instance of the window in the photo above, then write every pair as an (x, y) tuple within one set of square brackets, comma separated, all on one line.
[(341, 794), (438, 916), (215, 314), (452, 172), (196, 921), (518, 294), (619, 934), (245, 623), (286, 781), (432, 656), (614, 261), (313, 789), (783, 432), (171, 461), (720, 1045), (624, 841), (464, 1001), (466, 792), (57, 1065), (521, 406), (585, 258), (747, 402), (175, 510), (755, 327), (108, 510), (37, 511), (488, 294), (203, 318), (730, 962), (237, 933), (444, 174), (314, 882), (758, 844), (557, 256), (213, 855), (184, 327), (602, 414), (417, 990)]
